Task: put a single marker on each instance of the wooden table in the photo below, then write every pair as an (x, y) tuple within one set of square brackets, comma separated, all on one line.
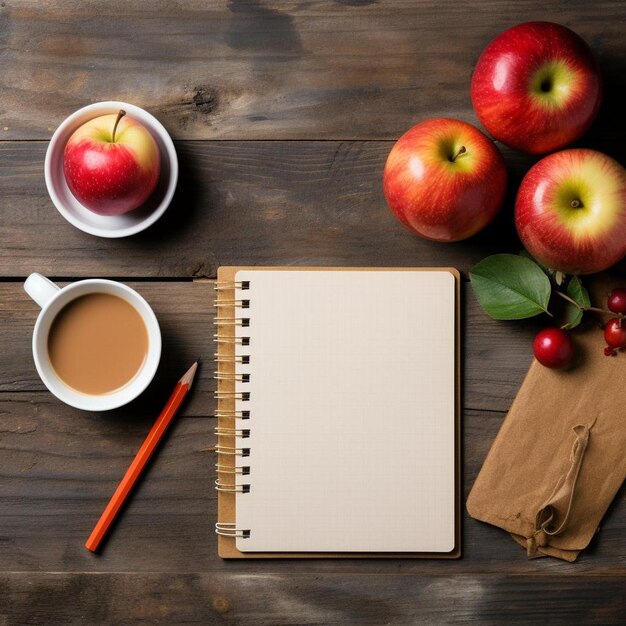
[(283, 114)]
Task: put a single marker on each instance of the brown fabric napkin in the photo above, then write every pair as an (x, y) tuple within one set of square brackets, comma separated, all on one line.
[(560, 455)]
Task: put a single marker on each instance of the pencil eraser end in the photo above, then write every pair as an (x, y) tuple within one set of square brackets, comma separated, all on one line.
[(91, 545)]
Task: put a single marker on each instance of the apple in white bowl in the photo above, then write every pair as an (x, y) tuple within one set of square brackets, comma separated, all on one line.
[(444, 179), (111, 164), (570, 211), (536, 87)]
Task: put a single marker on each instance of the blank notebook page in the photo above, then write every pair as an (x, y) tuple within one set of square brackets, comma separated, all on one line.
[(352, 411)]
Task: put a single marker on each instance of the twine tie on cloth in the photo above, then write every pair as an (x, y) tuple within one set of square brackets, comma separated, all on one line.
[(553, 515)]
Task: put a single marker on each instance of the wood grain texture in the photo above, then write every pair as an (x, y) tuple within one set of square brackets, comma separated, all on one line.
[(59, 468), (247, 69), (204, 598), (246, 77), (239, 203)]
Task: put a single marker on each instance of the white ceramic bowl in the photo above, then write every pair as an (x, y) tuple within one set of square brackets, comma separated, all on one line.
[(104, 225)]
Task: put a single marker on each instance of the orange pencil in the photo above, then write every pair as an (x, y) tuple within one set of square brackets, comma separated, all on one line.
[(141, 459)]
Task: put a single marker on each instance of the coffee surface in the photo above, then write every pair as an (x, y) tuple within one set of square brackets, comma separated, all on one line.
[(97, 343)]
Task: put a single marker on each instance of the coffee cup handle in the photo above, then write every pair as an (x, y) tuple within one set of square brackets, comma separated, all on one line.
[(40, 289)]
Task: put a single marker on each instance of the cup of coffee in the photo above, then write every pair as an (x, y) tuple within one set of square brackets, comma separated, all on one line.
[(96, 344)]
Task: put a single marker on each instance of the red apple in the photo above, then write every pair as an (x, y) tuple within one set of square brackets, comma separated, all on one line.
[(444, 180), (536, 87), (111, 164), (570, 211)]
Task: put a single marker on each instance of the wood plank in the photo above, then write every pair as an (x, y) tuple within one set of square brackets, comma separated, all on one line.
[(60, 467), (241, 598), (497, 354), (238, 203), (185, 314), (244, 70)]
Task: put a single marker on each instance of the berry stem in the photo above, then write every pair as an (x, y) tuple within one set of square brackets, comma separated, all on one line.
[(120, 115), (599, 310), (585, 308), (566, 297)]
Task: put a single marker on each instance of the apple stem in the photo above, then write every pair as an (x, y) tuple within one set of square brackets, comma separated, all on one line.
[(120, 115), (462, 150), (575, 204)]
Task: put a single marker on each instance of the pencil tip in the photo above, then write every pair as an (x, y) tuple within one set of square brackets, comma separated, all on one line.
[(188, 376)]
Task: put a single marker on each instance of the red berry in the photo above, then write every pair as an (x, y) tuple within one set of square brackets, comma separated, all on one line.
[(553, 347), (617, 301), (614, 334)]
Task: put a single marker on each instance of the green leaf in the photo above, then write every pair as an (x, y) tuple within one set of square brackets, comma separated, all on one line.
[(577, 292), (550, 273), (510, 287)]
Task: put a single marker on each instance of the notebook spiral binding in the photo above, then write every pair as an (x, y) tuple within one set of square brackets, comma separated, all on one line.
[(227, 529), (232, 429)]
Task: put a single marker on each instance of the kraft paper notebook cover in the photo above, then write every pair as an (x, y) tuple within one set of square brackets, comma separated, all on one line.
[(338, 412)]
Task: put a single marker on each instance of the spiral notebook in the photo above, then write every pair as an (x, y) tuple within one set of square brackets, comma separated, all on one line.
[(338, 412)]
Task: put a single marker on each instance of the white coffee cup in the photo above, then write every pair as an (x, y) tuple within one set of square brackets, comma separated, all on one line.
[(52, 298)]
